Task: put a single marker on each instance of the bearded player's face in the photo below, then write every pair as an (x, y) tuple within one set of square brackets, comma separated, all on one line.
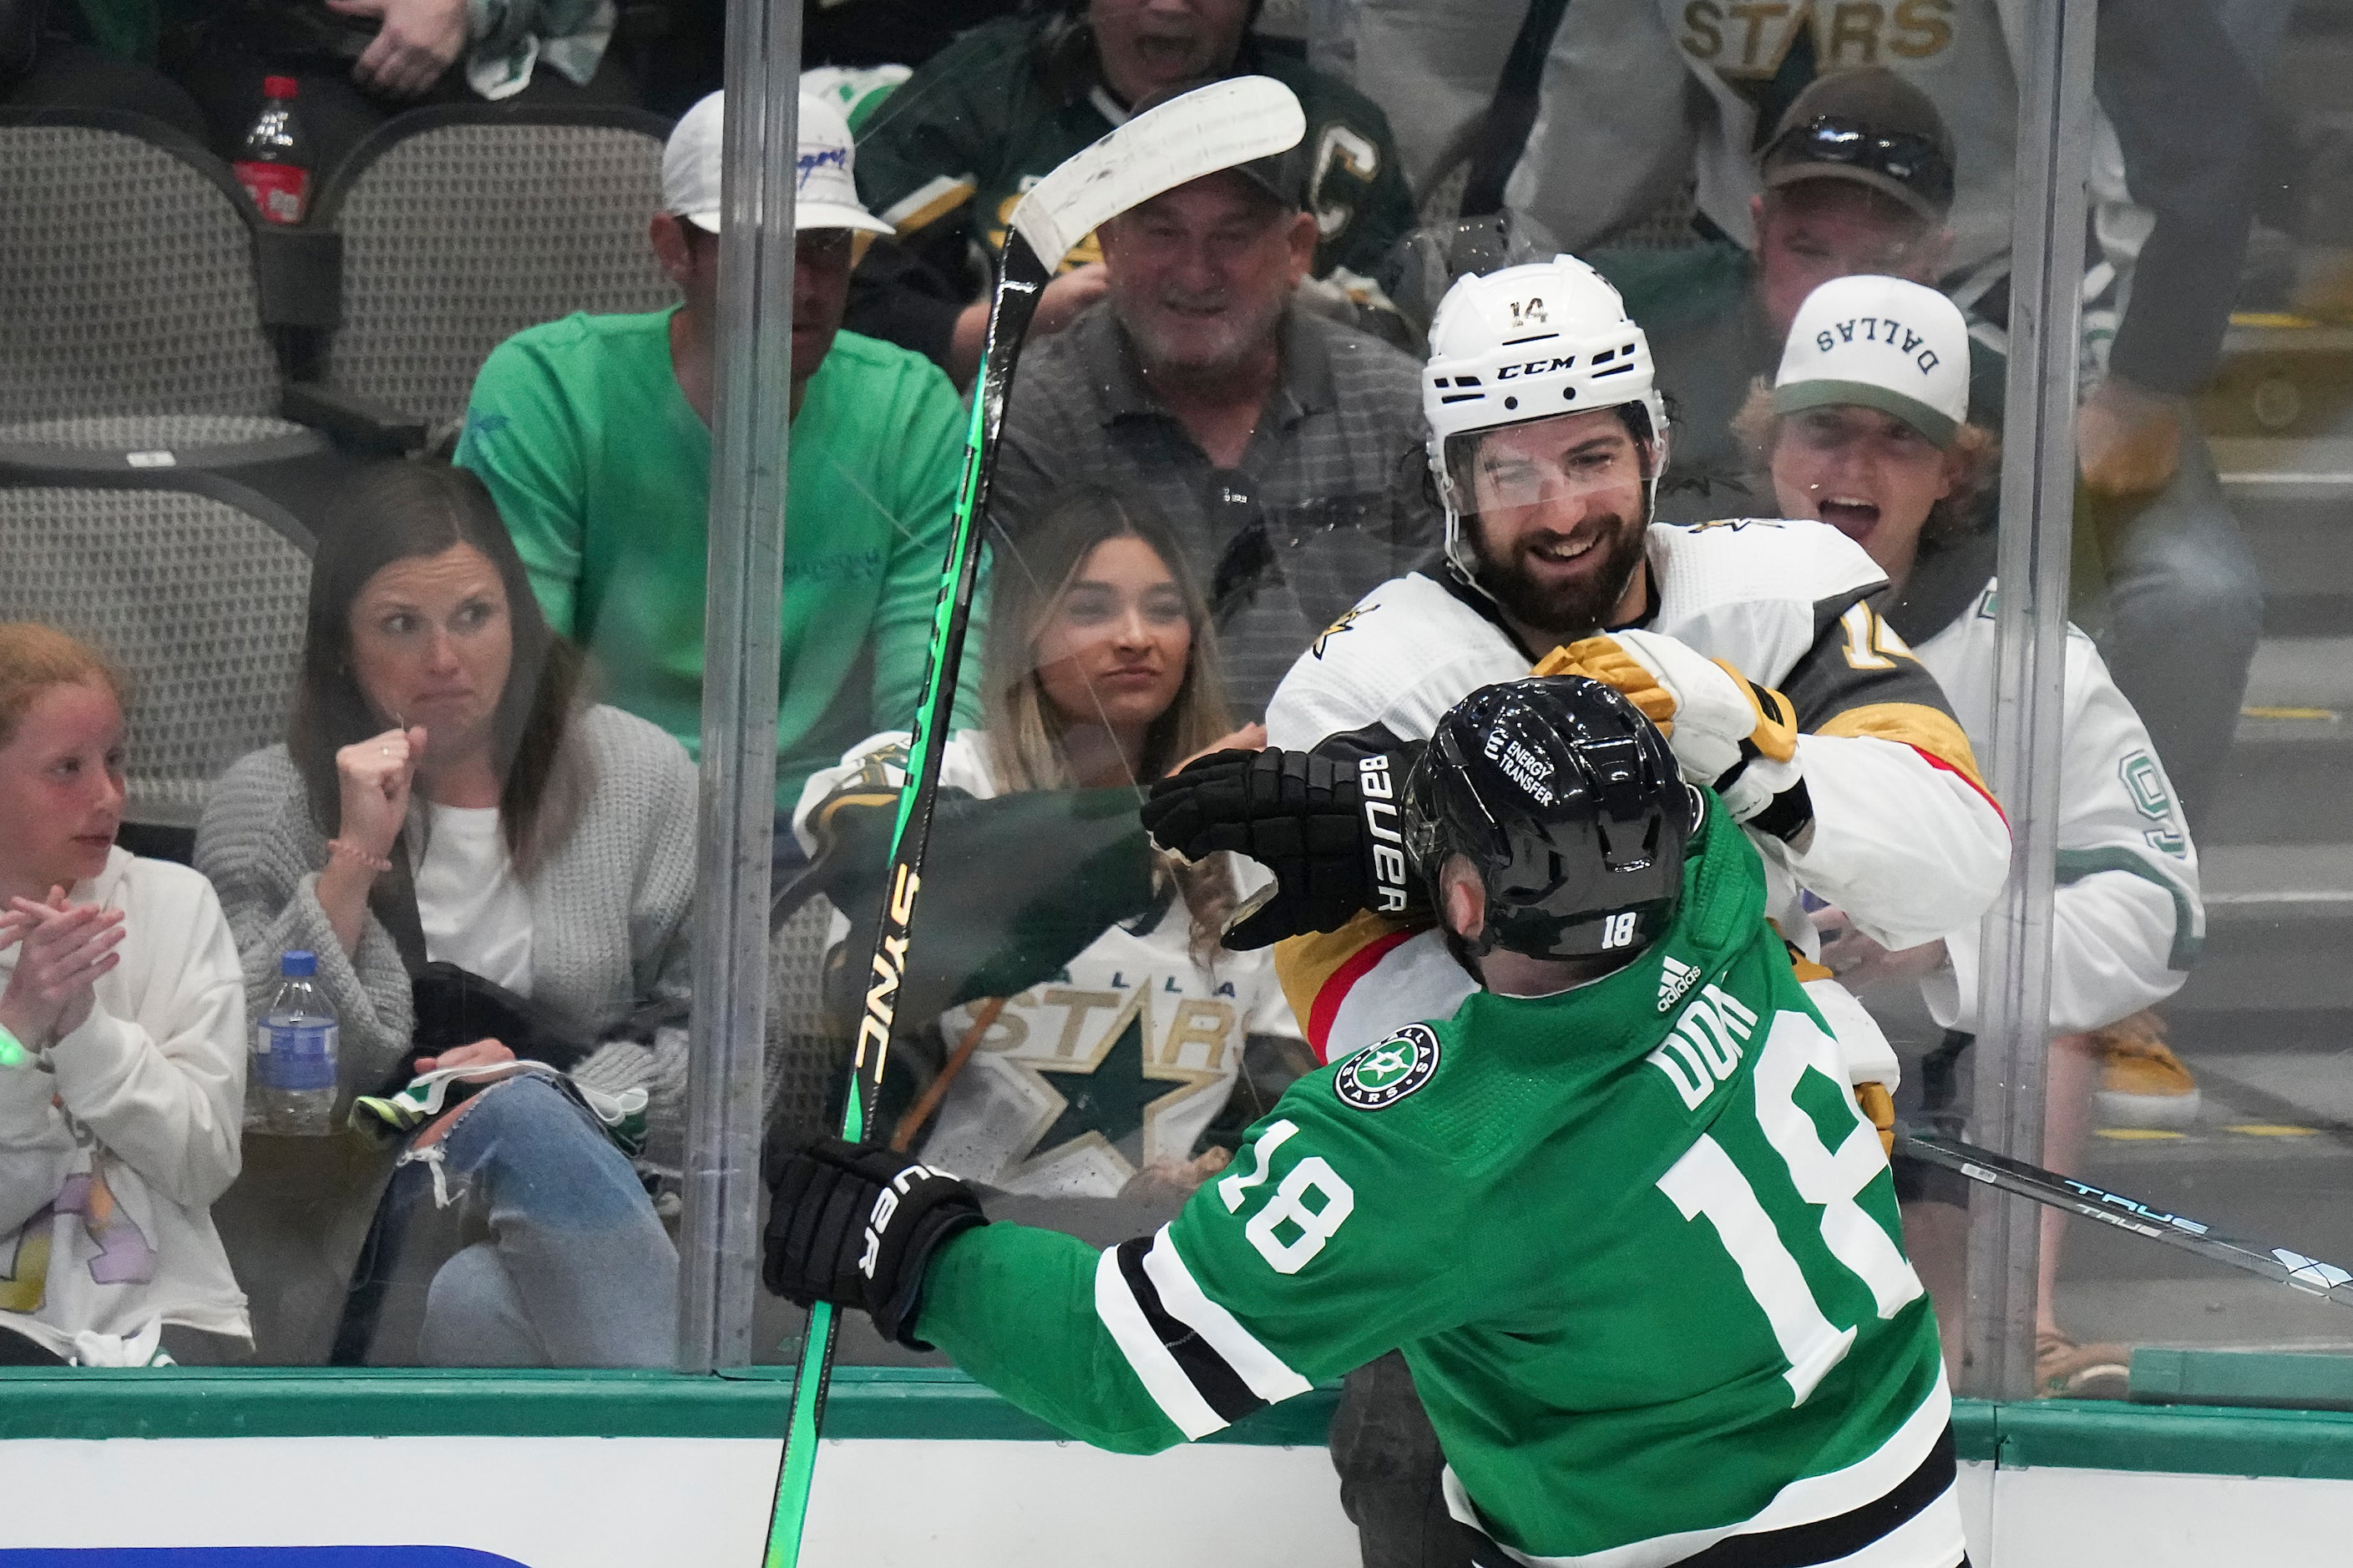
[(1558, 519)]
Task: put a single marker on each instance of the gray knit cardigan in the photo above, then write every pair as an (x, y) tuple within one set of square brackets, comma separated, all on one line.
[(609, 911)]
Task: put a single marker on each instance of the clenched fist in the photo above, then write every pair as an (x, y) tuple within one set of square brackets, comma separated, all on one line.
[(375, 777), (1727, 732)]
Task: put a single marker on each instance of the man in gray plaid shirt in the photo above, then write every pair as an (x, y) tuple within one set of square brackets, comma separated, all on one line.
[(1280, 447)]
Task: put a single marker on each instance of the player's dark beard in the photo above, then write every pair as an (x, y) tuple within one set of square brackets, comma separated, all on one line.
[(1572, 610)]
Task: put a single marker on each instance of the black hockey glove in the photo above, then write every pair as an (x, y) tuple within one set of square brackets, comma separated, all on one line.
[(856, 1225), (1327, 828)]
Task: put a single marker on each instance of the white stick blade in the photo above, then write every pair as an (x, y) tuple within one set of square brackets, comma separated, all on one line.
[(1197, 133)]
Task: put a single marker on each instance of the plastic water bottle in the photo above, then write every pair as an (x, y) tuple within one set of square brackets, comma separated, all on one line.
[(294, 1053)]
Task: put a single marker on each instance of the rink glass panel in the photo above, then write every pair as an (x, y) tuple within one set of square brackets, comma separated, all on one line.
[(1090, 1058)]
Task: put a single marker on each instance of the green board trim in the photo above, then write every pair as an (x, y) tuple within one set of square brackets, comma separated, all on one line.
[(2181, 1439), (942, 1404), (2265, 1379), (256, 1402)]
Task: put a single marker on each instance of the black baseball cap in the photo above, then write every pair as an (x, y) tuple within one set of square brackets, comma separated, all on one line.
[(1870, 127)]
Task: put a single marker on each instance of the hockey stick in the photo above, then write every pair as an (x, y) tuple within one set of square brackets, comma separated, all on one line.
[(2015, 1176), (1208, 129)]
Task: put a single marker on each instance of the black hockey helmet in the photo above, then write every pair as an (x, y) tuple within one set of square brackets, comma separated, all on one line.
[(1569, 803)]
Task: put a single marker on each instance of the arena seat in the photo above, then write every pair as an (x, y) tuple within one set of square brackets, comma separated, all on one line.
[(138, 297), (461, 224), (808, 1050), (197, 586)]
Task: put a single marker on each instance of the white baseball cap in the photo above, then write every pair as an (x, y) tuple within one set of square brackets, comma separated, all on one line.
[(1884, 343), (826, 193)]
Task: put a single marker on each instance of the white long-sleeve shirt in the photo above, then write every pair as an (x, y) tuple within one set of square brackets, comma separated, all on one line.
[(116, 1140), (2126, 921)]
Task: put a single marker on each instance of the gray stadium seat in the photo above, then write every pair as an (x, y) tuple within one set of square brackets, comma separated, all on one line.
[(132, 331), (199, 596), (462, 225)]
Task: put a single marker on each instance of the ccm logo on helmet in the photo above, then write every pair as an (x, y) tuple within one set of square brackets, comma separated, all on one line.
[(1388, 843), (1536, 367)]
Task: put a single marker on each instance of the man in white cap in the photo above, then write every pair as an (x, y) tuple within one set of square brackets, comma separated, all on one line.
[(1866, 429), (594, 435)]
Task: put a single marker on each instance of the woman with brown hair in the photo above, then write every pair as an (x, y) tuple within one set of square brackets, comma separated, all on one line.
[(1115, 1029), (456, 831), (122, 1043)]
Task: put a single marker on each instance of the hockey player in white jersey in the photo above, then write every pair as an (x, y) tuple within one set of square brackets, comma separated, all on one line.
[(1865, 427), (1751, 642)]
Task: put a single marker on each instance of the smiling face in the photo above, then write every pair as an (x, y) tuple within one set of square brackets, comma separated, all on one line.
[(1867, 474), (1199, 276), (60, 789), (432, 645), (1558, 520), (1149, 47), (1111, 649)]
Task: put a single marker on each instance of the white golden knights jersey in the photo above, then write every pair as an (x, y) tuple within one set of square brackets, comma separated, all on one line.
[(1903, 835)]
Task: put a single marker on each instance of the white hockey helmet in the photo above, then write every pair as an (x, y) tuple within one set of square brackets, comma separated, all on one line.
[(1527, 342)]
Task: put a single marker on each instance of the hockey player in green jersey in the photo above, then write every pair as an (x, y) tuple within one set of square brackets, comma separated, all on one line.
[(1632, 1235)]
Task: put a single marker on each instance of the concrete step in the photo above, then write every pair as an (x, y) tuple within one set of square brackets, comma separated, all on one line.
[(2287, 781), (2295, 500), (2279, 932), (2265, 886)]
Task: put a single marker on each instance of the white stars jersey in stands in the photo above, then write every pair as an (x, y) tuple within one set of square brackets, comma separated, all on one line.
[(2127, 919), (1904, 836), (1118, 1062)]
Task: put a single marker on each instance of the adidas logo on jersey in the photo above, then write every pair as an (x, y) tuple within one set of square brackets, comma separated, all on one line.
[(1675, 978)]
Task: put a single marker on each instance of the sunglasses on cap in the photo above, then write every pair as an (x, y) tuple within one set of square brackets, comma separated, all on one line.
[(1912, 161)]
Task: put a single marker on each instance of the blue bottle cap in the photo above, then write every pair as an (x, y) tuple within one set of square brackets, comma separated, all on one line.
[(298, 963)]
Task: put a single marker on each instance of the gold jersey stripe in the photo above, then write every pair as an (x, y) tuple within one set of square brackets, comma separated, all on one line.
[(1914, 724), (1307, 967), (929, 202)]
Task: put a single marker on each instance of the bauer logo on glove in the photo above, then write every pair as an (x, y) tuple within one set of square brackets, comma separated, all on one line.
[(857, 1224), (1328, 827)]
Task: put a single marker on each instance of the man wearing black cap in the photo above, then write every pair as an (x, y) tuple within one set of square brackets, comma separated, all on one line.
[(1857, 178), (1267, 437)]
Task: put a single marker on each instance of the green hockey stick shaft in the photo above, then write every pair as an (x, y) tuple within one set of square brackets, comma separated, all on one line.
[(1023, 277), (1214, 127)]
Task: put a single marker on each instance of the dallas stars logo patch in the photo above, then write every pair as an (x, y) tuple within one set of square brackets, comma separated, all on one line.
[(1380, 1075), (1335, 628)]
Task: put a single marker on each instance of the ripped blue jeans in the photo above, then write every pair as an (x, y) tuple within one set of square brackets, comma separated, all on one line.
[(523, 1237)]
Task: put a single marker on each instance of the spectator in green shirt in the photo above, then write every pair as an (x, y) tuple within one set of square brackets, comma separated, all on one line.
[(594, 435)]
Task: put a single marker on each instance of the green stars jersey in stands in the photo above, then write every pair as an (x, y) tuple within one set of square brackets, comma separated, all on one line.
[(958, 144), (1635, 1240)]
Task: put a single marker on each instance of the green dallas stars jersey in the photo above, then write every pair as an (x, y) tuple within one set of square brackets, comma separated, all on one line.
[(1637, 1244)]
